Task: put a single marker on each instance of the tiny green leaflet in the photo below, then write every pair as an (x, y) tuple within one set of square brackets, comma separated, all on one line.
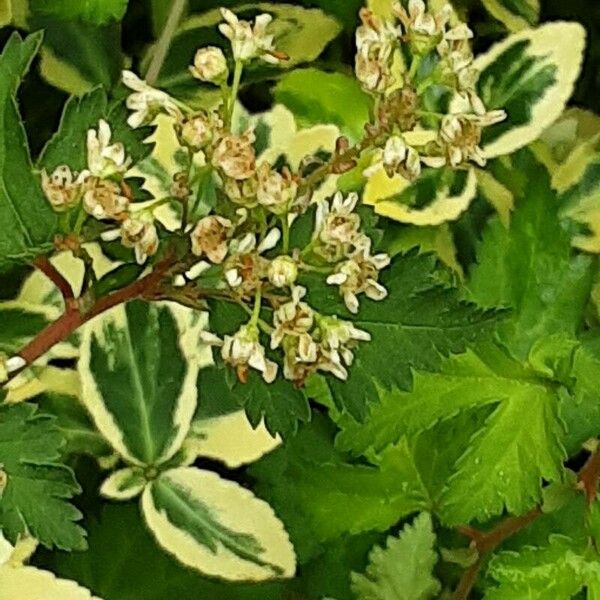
[(514, 14), (141, 391)]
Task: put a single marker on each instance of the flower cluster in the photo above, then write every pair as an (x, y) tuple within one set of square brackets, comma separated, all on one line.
[(436, 49), (239, 242), (101, 192)]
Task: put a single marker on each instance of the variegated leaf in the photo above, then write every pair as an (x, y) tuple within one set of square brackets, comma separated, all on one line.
[(139, 364), (29, 583), (515, 14), (230, 439), (217, 526), (531, 76), (394, 198), (123, 484)]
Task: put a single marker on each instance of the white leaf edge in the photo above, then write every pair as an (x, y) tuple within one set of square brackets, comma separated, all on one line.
[(237, 509), (230, 439), (190, 323), (559, 42), (443, 209), (113, 486)]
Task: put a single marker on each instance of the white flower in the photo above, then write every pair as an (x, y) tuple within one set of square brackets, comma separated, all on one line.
[(105, 159), (146, 102), (103, 199), (293, 318), (283, 271), (235, 155), (374, 30), (249, 41), (210, 65), (209, 238), (276, 192), (245, 268), (243, 350), (141, 236), (398, 157), (62, 188), (418, 20), (300, 358), (358, 275), (336, 226)]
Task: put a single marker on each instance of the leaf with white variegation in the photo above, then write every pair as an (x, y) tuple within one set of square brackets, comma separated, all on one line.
[(217, 526), (514, 14), (531, 77), (35, 584), (123, 484), (139, 365)]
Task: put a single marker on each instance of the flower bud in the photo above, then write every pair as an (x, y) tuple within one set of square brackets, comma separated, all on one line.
[(210, 65), (283, 271)]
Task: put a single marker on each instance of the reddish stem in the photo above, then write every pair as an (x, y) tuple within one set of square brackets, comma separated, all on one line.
[(49, 270), (589, 476), (485, 543), (73, 318)]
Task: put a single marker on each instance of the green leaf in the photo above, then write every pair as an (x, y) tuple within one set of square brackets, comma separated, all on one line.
[(418, 323), (74, 424), (513, 450), (302, 33), (119, 542), (68, 145), (531, 77), (316, 97), (580, 409), (403, 570), (139, 365), (97, 12), (38, 486), (554, 572), (529, 267), (21, 322), (217, 526), (28, 222), (124, 484), (320, 496), (514, 14)]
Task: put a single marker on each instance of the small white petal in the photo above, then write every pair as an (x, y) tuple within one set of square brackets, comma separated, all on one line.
[(270, 240), (15, 363)]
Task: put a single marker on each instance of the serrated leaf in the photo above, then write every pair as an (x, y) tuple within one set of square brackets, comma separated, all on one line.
[(418, 323), (28, 222), (531, 77), (317, 97), (97, 12), (217, 526), (514, 14), (38, 486), (35, 584), (403, 570), (530, 267), (68, 145), (139, 365), (554, 572), (321, 496)]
